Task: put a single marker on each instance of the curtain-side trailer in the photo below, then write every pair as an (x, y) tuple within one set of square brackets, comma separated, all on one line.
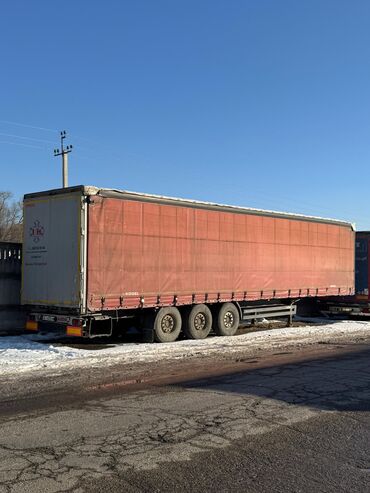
[(95, 257)]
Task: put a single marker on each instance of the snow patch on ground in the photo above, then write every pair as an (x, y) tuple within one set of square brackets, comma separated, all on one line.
[(19, 354)]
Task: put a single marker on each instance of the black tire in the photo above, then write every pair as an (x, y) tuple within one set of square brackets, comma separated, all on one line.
[(227, 320), (197, 322), (167, 324)]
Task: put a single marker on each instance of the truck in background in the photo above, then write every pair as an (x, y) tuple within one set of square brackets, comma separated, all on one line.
[(96, 259)]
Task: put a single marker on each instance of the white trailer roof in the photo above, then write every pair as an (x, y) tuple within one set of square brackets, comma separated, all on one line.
[(129, 195)]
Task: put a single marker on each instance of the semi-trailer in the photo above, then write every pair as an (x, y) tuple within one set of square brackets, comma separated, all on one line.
[(95, 259), (357, 305), (362, 267)]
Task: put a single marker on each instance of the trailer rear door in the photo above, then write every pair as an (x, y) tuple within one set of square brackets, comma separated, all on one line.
[(53, 251)]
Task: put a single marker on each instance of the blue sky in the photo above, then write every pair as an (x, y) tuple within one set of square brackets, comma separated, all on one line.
[(260, 103)]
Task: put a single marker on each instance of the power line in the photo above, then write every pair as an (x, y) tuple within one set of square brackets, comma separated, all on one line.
[(20, 144), (26, 138), (28, 126)]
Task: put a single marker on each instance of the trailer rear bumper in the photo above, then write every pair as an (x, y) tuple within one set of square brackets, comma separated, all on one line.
[(70, 325), (89, 327)]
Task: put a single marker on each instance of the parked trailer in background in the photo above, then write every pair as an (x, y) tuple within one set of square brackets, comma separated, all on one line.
[(94, 258), (362, 267), (357, 305)]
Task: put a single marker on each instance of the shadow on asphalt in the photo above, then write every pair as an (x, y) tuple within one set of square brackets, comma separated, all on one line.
[(338, 383)]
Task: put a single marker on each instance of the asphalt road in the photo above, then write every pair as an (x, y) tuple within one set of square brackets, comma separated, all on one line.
[(284, 423)]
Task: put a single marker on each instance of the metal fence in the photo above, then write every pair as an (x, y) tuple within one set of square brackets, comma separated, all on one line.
[(10, 273), (11, 315)]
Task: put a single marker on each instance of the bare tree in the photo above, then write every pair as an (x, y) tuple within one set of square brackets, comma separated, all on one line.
[(11, 218)]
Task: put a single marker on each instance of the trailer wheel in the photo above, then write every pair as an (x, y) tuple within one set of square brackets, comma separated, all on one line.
[(198, 322), (227, 320), (167, 324)]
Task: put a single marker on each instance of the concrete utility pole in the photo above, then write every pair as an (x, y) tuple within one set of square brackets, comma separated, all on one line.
[(64, 153)]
